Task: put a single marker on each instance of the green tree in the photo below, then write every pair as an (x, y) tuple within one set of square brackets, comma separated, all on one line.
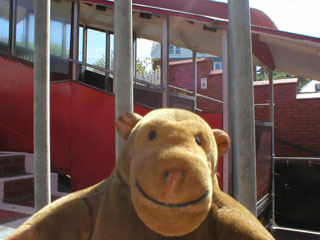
[(262, 74)]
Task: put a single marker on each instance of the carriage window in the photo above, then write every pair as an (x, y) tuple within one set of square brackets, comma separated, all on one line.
[(80, 54), (111, 59), (24, 41), (4, 25), (60, 36), (96, 49)]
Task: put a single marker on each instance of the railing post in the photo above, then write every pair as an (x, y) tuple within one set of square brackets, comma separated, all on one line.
[(42, 104), (75, 38), (123, 62), (13, 26), (165, 62), (195, 79), (271, 119), (242, 104), (227, 157)]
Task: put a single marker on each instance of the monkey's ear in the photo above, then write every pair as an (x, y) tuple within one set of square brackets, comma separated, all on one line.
[(126, 123), (222, 140)]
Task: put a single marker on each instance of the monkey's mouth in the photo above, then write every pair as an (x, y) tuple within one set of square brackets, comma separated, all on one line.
[(171, 205)]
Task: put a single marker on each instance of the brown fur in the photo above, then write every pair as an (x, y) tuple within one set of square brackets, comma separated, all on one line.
[(164, 186)]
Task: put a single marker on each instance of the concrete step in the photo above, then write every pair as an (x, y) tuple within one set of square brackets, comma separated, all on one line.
[(16, 188), (11, 163)]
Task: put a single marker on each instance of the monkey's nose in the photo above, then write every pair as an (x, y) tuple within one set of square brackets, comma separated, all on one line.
[(173, 179)]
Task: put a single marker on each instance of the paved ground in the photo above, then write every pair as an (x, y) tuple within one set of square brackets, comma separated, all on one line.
[(5, 232), (289, 235), (12, 216)]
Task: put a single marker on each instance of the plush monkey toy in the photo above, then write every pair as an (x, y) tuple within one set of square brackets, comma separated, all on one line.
[(163, 187)]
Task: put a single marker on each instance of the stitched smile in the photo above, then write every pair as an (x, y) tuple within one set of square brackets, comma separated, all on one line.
[(171, 205)]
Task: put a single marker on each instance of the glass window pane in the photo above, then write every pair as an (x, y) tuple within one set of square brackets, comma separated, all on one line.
[(148, 61), (96, 49), (24, 41), (217, 65), (4, 25), (80, 54), (178, 50), (60, 36), (111, 59), (171, 50)]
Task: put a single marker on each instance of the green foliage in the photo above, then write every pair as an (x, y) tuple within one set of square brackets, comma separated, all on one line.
[(262, 74), (141, 65)]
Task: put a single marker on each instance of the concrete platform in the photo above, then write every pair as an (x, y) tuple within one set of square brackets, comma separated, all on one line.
[(5, 232)]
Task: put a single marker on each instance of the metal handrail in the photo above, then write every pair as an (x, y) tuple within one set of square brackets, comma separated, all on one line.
[(90, 65), (198, 95), (298, 158), (144, 82), (209, 98), (147, 83)]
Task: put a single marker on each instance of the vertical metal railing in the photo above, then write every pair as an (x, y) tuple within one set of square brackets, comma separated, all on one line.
[(242, 109), (42, 104), (123, 61)]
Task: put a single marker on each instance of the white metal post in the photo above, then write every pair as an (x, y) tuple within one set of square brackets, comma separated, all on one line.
[(242, 104), (123, 62), (42, 104)]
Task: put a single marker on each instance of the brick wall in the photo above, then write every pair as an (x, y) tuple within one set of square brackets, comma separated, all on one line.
[(181, 75), (297, 125)]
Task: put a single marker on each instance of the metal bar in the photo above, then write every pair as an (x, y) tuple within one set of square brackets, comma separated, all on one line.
[(148, 84), (123, 62), (108, 49), (135, 57), (13, 26), (297, 158), (165, 62), (85, 44), (261, 104), (271, 119), (26, 30), (227, 157), (195, 79), (75, 38), (263, 203), (181, 89), (209, 98), (42, 104), (242, 109), (198, 95), (90, 65), (107, 64), (264, 124), (296, 230)]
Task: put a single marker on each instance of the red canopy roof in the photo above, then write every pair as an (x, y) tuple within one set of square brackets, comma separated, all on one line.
[(191, 19)]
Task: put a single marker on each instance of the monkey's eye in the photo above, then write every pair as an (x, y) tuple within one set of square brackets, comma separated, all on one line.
[(152, 135), (198, 140)]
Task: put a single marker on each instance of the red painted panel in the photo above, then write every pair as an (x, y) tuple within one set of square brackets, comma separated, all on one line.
[(92, 136), (215, 121), (16, 108), (60, 100), (82, 124), (16, 113)]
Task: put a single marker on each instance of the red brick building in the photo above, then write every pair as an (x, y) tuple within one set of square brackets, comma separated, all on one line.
[(297, 125)]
